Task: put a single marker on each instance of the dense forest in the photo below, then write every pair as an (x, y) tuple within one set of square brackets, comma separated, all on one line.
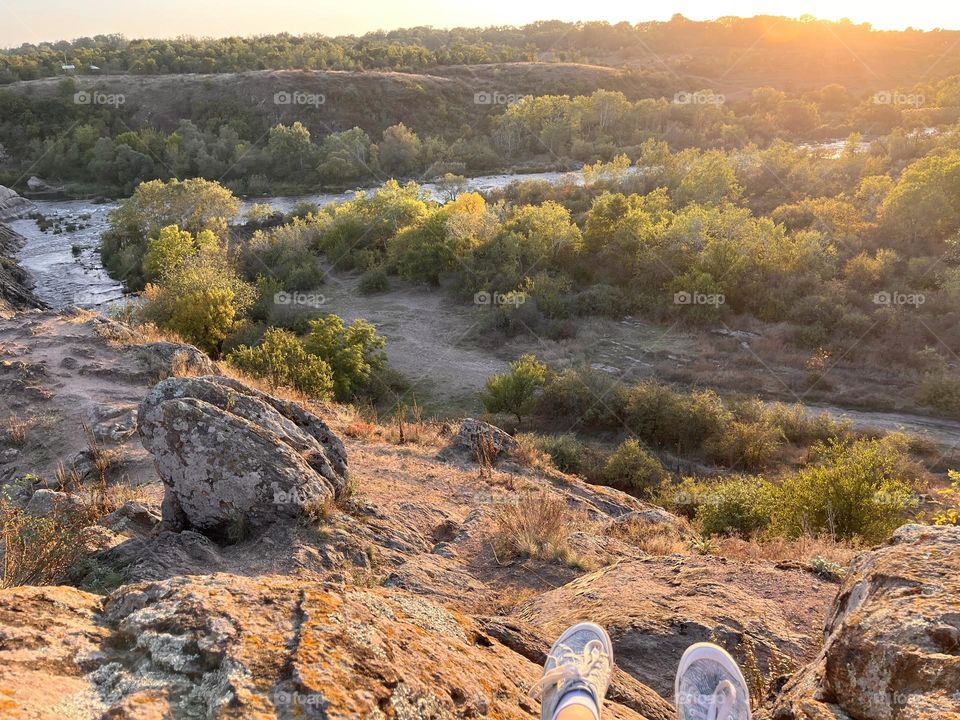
[(424, 47)]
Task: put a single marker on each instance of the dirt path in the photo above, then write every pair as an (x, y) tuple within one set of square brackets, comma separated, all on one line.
[(428, 340), (432, 340)]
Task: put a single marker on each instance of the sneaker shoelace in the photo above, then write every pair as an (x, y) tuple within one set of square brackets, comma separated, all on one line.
[(591, 666), (722, 701)]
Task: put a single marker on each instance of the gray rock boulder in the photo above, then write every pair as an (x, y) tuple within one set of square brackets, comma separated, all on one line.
[(476, 434), (45, 503), (228, 454), (161, 360), (13, 206)]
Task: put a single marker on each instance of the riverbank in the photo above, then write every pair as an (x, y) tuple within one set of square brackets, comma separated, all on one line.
[(16, 284)]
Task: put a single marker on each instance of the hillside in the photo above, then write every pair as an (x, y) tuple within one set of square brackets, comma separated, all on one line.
[(442, 98), (377, 578)]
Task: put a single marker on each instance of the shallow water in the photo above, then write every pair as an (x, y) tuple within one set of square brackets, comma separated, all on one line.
[(62, 277)]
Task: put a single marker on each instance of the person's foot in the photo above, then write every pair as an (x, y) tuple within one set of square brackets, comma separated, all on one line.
[(710, 686), (577, 669)]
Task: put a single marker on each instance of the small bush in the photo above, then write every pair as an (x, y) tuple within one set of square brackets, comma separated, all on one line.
[(282, 359), (40, 551), (744, 445), (565, 451), (527, 451), (583, 395), (941, 393), (733, 505), (603, 300), (672, 419), (858, 489), (630, 467), (374, 281)]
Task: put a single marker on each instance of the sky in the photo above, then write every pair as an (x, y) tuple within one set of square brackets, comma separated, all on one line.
[(40, 20)]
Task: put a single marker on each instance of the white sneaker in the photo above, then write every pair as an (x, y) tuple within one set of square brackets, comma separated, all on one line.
[(710, 686), (580, 659)]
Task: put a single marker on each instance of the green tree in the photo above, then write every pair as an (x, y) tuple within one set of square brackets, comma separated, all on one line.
[(923, 208), (345, 155), (290, 149), (172, 246), (443, 240), (399, 150), (192, 205), (200, 299), (353, 352), (515, 391)]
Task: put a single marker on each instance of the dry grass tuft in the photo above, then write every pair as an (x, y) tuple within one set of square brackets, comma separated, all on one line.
[(760, 681), (651, 538), (361, 429), (40, 551), (17, 430), (802, 550), (538, 526), (527, 452), (104, 459)]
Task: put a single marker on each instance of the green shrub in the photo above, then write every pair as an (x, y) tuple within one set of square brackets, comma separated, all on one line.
[(749, 445), (565, 451), (681, 421), (800, 427), (857, 489), (570, 455), (589, 397), (630, 467), (201, 299), (605, 300), (282, 359), (287, 254), (353, 352), (374, 281), (737, 504), (515, 391), (941, 393)]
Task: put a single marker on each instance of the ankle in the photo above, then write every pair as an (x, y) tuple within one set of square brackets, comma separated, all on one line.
[(577, 705)]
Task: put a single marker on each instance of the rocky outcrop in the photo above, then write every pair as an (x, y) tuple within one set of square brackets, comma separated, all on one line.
[(892, 640), (12, 206), (225, 646), (16, 287), (233, 456), (654, 608)]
